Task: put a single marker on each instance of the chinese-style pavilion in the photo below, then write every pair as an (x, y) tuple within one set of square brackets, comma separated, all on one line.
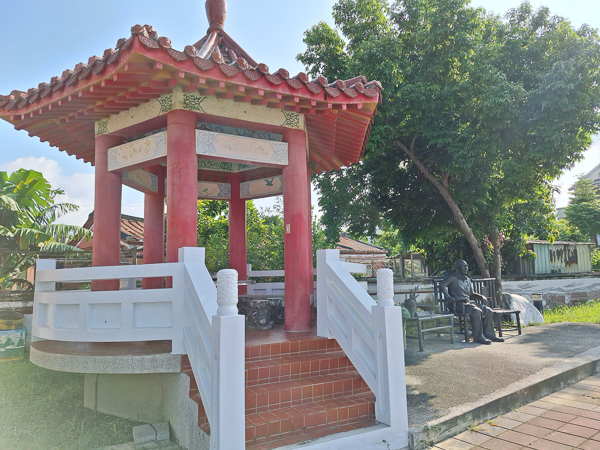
[(208, 122)]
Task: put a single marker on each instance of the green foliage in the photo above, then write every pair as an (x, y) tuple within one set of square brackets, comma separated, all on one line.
[(479, 115), (565, 231), (264, 235), (595, 255), (587, 312), (213, 233), (27, 212), (583, 211)]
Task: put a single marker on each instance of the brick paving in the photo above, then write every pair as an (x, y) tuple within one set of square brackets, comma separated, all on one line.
[(565, 420)]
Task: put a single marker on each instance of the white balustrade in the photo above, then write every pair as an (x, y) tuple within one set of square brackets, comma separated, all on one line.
[(369, 332), (200, 319), (274, 288)]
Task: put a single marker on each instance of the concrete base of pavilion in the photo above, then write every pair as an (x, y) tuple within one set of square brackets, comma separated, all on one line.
[(451, 387)]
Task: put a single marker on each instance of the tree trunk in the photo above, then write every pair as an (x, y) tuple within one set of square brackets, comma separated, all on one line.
[(442, 187), (594, 238), (496, 266)]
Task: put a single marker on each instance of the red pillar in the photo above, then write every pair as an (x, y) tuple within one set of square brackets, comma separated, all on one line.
[(311, 280), (154, 226), (182, 182), (107, 212), (237, 231), (296, 220)]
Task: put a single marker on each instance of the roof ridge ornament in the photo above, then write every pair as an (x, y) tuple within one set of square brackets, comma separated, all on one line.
[(216, 12)]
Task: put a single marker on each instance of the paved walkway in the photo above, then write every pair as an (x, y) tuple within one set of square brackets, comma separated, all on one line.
[(567, 419), (445, 377)]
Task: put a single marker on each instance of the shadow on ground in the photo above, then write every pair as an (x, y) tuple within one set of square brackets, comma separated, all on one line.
[(445, 375)]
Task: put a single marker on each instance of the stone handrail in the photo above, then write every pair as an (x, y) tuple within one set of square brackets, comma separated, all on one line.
[(369, 332)]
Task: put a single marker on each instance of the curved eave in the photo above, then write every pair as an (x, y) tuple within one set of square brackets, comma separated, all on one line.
[(63, 112)]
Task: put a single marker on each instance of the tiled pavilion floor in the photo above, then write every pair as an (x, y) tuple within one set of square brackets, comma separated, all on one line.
[(567, 419)]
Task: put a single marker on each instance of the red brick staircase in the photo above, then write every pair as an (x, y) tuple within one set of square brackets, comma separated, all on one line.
[(298, 389)]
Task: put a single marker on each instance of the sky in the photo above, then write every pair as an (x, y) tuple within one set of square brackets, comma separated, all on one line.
[(40, 39)]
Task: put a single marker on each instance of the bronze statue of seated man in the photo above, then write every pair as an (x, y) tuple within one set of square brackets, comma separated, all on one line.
[(458, 291)]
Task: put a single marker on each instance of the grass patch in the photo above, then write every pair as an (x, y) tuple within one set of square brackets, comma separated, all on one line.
[(586, 312), (43, 409)]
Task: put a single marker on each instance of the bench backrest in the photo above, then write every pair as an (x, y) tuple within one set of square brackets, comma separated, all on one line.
[(483, 286)]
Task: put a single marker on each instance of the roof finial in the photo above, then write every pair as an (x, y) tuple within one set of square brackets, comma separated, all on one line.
[(216, 11)]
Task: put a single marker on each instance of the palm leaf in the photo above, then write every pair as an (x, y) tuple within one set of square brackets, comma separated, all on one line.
[(60, 232), (58, 247), (26, 237), (7, 202)]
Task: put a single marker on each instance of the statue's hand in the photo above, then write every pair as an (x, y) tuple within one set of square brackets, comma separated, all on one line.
[(450, 299)]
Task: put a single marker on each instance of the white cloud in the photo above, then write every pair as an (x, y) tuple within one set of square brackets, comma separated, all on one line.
[(78, 187)]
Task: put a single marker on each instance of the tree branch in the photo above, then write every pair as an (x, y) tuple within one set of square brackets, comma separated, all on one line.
[(443, 189)]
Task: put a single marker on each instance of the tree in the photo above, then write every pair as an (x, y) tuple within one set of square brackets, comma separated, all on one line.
[(28, 210), (479, 115), (583, 211), (264, 235), (566, 231)]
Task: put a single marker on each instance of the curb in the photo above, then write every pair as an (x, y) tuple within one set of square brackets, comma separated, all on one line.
[(519, 393)]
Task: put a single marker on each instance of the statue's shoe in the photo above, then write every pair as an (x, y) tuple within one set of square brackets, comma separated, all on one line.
[(496, 339), (483, 341)]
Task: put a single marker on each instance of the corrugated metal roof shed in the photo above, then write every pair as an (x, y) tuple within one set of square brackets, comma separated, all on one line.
[(562, 257)]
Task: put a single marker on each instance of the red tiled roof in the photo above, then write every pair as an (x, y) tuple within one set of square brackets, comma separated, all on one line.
[(145, 66), (351, 246), (132, 231)]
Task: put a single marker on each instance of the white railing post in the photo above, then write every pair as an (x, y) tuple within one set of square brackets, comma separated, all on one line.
[(44, 264), (385, 287), (228, 418), (390, 406), (189, 255), (43, 314), (323, 256)]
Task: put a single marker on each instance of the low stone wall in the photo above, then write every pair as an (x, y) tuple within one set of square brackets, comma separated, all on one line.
[(554, 291), (22, 300)]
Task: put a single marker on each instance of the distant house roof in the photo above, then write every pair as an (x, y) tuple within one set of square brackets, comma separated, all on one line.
[(540, 241), (132, 232), (349, 246), (593, 175)]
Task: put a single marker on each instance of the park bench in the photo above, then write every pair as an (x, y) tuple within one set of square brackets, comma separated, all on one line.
[(429, 314), (487, 288)]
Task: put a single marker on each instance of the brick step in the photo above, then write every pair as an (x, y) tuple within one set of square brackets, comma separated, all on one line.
[(291, 393), (294, 348), (286, 368), (303, 390), (305, 436), (297, 393), (309, 417)]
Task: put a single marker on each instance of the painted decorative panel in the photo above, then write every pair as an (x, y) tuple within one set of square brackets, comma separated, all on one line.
[(141, 180), (262, 187), (237, 131), (142, 150), (223, 166), (212, 105), (219, 191), (135, 115), (236, 147)]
